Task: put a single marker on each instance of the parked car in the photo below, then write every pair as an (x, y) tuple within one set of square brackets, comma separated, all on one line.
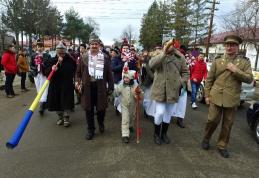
[(247, 92), (252, 116)]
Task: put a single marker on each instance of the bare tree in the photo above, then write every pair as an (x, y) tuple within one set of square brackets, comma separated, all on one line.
[(128, 33), (244, 21), (90, 21)]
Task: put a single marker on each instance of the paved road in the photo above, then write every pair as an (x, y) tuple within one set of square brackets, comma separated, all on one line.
[(47, 150)]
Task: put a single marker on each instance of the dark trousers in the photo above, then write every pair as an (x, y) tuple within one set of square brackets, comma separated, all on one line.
[(9, 83), (23, 78), (90, 114)]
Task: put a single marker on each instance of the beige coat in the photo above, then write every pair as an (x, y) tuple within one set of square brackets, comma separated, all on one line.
[(127, 94), (223, 86), (170, 74)]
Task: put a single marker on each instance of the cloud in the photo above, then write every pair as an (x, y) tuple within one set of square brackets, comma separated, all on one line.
[(114, 16)]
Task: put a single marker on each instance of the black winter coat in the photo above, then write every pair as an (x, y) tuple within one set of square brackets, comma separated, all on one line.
[(61, 87), (117, 66)]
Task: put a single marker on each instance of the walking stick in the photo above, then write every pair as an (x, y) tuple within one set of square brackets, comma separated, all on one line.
[(13, 142), (138, 98)]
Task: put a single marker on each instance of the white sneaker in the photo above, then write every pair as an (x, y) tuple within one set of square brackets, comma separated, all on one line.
[(194, 106)]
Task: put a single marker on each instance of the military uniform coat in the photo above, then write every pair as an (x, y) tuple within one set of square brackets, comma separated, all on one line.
[(170, 74), (82, 75), (61, 87), (222, 86)]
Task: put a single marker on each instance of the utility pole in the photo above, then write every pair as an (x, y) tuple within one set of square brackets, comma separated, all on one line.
[(210, 26)]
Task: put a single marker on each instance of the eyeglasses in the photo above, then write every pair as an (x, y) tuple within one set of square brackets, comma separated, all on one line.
[(231, 45)]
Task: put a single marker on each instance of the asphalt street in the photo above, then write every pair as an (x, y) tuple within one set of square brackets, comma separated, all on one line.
[(50, 151)]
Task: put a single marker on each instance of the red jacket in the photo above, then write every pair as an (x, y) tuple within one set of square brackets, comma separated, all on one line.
[(198, 71), (9, 62)]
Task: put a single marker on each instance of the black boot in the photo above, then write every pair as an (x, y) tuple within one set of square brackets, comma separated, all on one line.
[(89, 135), (157, 138), (180, 122), (41, 110), (164, 137)]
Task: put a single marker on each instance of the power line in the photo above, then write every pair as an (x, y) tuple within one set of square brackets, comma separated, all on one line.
[(210, 26)]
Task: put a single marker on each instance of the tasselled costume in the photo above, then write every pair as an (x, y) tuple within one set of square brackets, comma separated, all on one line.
[(128, 102)]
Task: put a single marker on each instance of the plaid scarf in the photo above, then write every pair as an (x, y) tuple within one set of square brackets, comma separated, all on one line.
[(96, 71), (128, 55)]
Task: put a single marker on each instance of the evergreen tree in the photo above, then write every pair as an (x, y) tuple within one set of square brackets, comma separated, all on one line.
[(76, 28), (199, 20), (181, 18), (152, 26)]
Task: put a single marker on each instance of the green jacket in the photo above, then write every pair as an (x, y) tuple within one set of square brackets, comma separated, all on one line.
[(170, 74), (222, 86)]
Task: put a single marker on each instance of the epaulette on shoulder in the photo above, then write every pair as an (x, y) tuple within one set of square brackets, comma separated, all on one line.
[(243, 57), (218, 57), (247, 58)]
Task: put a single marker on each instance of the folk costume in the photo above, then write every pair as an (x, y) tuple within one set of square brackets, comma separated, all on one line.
[(61, 87), (94, 78), (38, 70), (171, 73), (126, 91)]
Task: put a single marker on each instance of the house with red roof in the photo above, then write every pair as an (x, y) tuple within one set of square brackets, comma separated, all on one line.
[(247, 48)]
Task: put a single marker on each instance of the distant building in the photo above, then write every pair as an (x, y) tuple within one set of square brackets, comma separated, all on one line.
[(217, 45)]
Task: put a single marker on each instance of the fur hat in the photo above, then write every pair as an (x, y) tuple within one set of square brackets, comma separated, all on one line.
[(61, 47), (40, 43), (115, 50), (93, 38), (83, 45)]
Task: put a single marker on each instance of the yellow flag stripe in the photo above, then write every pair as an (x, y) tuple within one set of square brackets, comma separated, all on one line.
[(38, 97)]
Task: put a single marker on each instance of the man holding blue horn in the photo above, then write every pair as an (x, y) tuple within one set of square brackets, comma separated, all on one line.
[(61, 87)]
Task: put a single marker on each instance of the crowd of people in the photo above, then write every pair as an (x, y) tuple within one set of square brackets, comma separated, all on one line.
[(160, 76)]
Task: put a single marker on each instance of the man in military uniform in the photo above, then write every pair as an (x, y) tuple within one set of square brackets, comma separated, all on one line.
[(222, 92)]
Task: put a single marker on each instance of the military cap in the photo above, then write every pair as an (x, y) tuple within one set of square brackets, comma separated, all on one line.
[(232, 38)]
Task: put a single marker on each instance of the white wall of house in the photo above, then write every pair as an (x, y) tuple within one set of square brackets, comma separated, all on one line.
[(251, 54), (214, 49), (219, 49)]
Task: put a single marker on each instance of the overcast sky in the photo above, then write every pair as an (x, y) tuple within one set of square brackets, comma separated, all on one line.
[(113, 16)]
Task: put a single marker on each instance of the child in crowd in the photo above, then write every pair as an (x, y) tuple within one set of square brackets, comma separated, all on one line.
[(127, 90)]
